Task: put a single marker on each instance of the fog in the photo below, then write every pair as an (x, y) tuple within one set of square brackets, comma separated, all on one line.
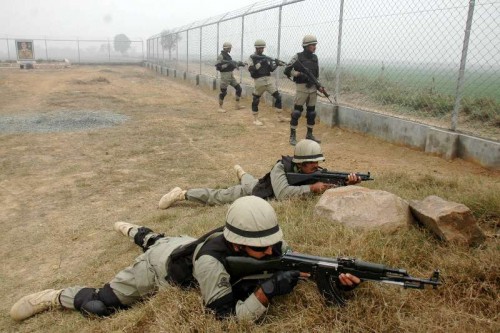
[(104, 18)]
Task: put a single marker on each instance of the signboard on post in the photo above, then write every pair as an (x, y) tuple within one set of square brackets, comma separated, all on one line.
[(25, 50), (25, 53)]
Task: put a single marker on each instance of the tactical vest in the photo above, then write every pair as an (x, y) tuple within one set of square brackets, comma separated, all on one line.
[(264, 188), (310, 61), (180, 262), (264, 69), (226, 57), (218, 248)]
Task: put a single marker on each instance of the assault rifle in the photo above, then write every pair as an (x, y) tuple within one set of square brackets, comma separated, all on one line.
[(264, 57), (323, 175), (313, 80), (325, 272), (234, 63)]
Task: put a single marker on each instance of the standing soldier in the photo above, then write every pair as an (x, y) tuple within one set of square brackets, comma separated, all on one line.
[(305, 90), (260, 68), (225, 65)]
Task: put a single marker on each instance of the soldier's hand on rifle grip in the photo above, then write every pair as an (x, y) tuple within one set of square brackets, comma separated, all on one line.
[(319, 187), (353, 179), (281, 283), (349, 280)]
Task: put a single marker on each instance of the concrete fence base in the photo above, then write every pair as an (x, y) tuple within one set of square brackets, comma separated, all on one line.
[(432, 140)]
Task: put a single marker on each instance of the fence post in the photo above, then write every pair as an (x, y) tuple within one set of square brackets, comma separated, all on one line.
[(46, 50), (157, 50), (217, 49), (279, 46), (176, 51), (142, 49), (242, 34), (461, 72), (78, 47), (162, 51), (8, 50), (339, 48), (201, 33), (109, 51), (187, 51)]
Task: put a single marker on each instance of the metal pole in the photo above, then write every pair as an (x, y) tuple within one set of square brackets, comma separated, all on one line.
[(461, 72), (142, 49), (339, 48), (46, 50), (217, 50), (201, 33), (176, 50), (163, 52), (279, 46), (157, 50), (78, 47), (8, 50), (187, 51), (109, 51), (242, 33)]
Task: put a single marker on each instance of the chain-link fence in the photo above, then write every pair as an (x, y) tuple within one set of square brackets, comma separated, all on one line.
[(76, 50), (436, 61)]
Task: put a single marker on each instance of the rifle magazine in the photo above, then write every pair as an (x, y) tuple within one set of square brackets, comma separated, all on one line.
[(327, 284)]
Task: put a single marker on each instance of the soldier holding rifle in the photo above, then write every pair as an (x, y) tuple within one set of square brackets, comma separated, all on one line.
[(260, 68), (275, 184)]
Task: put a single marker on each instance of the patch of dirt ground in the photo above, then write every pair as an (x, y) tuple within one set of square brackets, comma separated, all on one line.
[(61, 192)]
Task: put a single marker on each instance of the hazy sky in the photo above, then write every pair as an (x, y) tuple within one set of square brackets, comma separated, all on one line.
[(104, 18)]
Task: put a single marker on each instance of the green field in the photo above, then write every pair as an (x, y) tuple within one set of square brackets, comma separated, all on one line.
[(431, 91)]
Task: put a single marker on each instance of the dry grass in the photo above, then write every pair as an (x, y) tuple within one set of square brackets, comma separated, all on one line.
[(62, 192)]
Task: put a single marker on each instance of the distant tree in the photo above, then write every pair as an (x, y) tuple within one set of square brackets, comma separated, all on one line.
[(169, 41), (122, 43)]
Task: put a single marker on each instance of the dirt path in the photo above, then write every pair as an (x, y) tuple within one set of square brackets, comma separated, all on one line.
[(60, 193)]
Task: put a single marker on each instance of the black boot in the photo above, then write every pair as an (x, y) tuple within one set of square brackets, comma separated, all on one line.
[(293, 137), (310, 135)]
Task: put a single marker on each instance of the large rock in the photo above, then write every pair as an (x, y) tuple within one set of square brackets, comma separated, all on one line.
[(450, 221), (360, 207)]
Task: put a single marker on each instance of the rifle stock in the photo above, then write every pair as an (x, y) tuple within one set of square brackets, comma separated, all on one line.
[(323, 175), (325, 272)]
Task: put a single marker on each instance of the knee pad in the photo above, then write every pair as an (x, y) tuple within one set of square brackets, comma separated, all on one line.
[(255, 103), (238, 90), (311, 115), (294, 121), (140, 236), (223, 93), (277, 100), (100, 302)]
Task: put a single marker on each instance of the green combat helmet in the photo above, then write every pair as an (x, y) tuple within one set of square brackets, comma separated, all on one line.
[(309, 40), (252, 221), (259, 43), (307, 151), (227, 45)]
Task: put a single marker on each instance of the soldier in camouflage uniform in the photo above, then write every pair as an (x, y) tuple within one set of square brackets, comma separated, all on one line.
[(260, 69), (307, 154), (305, 90), (251, 229), (226, 65)]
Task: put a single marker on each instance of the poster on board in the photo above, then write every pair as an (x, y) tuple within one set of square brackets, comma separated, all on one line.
[(25, 50)]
